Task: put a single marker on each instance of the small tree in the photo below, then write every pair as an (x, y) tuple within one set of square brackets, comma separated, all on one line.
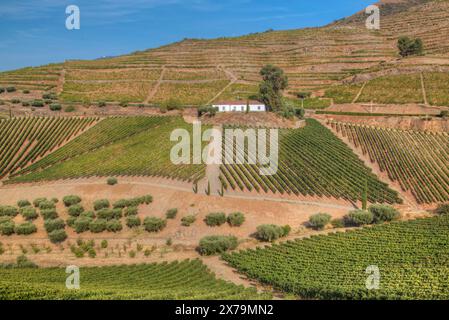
[(215, 219), (236, 219), (274, 81), (303, 95), (217, 244), (319, 221), (408, 46), (359, 218)]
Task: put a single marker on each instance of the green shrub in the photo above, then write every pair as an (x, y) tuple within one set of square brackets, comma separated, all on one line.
[(148, 199), (359, 218), (106, 214), (26, 91), (23, 262), (2, 90), (71, 200), (38, 201), (10, 89), (408, 47), (25, 228), (87, 214), (29, 213), (271, 232), (45, 205), (25, 104), (217, 244), (133, 221), (101, 204), (7, 228), (215, 219), (82, 224), (114, 225), (112, 181), (98, 225), (131, 211), (8, 211), (153, 224), (236, 219), (71, 221), (188, 220), (37, 103), (117, 213), (55, 107), (319, 221), (104, 244), (54, 200), (4, 219), (54, 224), (442, 209), (101, 104), (57, 236), (49, 214), (122, 203), (23, 203), (171, 214), (338, 223), (383, 213), (15, 101), (75, 210)]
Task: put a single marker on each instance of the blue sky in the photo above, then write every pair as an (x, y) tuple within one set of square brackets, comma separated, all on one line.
[(33, 32)]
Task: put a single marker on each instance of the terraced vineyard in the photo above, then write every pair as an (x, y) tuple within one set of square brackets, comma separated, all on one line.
[(176, 280), (312, 161), (411, 257), (39, 78), (24, 140), (419, 161), (117, 146)]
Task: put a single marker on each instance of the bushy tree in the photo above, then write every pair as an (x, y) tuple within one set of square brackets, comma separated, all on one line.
[(114, 225), (271, 232), (153, 224), (29, 213), (383, 213), (54, 224), (319, 221), (82, 224), (75, 210), (101, 204), (187, 221), (236, 219), (49, 214), (171, 213), (215, 219), (57, 236), (133, 221), (7, 228), (71, 200), (359, 218), (23, 203), (98, 226), (216, 244), (25, 228), (274, 81), (408, 47)]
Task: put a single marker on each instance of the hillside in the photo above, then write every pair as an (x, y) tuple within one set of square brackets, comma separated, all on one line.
[(196, 72)]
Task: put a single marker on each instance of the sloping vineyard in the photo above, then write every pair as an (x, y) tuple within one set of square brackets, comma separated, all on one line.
[(118, 149), (411, 257), (176, 280), (24, 140), (419, 161), (312, 162), (106, 132)]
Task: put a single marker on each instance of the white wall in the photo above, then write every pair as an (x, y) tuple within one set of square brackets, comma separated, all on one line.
[(240, 108)]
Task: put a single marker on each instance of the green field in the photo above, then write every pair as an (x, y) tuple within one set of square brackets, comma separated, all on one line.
[(117, 146), (412, 258), (312, 161), (165, 281)]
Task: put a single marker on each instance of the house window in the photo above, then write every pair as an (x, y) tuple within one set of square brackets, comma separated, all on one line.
[(258, 107)]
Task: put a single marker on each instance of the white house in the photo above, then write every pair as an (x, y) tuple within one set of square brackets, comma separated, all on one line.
[(239, 106)]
